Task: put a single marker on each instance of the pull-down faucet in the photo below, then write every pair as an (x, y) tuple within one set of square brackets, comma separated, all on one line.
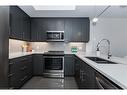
[(98, 47)]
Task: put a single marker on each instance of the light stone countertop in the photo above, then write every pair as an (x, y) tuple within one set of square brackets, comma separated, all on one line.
[(115, 72)]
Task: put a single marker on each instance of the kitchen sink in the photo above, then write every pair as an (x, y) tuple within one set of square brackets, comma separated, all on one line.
[(100, 60)]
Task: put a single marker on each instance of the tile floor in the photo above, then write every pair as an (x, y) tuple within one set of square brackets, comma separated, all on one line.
[(51, 83)]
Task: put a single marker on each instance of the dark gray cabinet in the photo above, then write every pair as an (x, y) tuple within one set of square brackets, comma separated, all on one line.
[(4, 44), (69, 65), (77, 30), (20, 70), (39, 27), (84, 75), (38, 30), (19, 24), (87, 76), (38, 64)]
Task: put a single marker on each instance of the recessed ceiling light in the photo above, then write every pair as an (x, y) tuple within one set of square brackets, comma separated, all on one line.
[(54, 7), (95, 19)]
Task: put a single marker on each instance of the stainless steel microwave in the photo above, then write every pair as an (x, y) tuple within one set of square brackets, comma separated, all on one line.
[(55, 35)]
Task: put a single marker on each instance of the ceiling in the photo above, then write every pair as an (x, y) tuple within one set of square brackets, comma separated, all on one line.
[(80, 11)]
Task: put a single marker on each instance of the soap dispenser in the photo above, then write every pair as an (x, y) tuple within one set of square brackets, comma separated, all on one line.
[(98, 52)]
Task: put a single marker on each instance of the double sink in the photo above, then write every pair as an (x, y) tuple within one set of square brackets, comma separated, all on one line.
[(100, 60)]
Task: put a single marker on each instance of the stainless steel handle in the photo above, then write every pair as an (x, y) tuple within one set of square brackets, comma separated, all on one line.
[(11, 63), (23, 78), (98, 83), (10, 75), (23, 68), (54, 57)]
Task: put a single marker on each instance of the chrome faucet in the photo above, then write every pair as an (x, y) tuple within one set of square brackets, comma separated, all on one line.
[(98, 47)]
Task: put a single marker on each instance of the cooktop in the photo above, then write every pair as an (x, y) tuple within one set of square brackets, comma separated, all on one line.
[(54, 53)]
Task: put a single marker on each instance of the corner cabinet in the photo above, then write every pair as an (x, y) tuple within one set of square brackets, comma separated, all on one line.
[(77, 29), (19, 24)]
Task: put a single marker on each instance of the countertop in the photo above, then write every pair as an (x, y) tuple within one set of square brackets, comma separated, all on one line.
[(115, 72), (20, 54)]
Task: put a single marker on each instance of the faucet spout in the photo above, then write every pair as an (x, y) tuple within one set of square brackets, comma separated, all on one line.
[(98, 47)]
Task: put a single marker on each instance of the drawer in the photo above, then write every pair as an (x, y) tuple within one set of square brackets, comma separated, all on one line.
[(14, 67), (14, 80)]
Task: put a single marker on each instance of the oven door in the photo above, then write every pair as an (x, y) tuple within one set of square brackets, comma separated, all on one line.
[(53, 64)]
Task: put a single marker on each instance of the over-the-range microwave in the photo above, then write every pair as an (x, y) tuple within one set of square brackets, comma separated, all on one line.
[(55, 35)]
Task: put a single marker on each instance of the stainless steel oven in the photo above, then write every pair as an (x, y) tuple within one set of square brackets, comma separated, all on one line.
[(55, 35), (53, 66)]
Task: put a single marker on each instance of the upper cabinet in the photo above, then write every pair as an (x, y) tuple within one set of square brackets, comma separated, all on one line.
[(77, 30), (39, 27), (19, 24), (23, 27)]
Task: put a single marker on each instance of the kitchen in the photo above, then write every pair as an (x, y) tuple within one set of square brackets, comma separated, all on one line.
[(63, 49)]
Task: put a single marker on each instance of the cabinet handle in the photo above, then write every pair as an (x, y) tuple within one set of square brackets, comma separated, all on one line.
[(11, 63), (10, 75), (11, 87), (23, 59), (23, 68), (23, 78)]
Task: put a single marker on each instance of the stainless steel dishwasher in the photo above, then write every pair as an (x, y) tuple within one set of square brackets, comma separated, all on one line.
[(104, 83)]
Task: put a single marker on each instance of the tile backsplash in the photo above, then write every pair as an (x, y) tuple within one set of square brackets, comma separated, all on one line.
[(15, 46), (57, 46)]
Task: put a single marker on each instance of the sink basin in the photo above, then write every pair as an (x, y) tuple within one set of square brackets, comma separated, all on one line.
[(100, 60)]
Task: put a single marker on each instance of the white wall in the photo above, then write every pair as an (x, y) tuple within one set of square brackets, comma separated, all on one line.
[(113, 29)]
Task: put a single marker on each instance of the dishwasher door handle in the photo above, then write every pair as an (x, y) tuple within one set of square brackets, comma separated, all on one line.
[(98, 83)]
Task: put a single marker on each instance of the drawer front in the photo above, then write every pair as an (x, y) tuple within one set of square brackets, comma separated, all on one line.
[(20, 70), (14, 80)]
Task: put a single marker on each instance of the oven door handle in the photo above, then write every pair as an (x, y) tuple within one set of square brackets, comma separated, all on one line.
[(54, 57)]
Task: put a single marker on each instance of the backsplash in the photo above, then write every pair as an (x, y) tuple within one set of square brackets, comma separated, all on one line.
[(57, 46), (15, 45)]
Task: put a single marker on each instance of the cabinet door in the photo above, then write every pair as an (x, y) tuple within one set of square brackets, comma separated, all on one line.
[(19, 24), (14, 73), (87, 76), (15, 22), (20, 70), (39, 27), (77, 70), (26, 27), (53, 24), (77, 30), (85, 28), (38, 64), (38, 30), (68, 65)]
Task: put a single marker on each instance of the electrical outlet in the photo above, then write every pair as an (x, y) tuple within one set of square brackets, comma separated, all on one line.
[(80, 48)]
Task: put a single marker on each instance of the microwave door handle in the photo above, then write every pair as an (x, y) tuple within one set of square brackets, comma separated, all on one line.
[(98, 83), (60, 36)]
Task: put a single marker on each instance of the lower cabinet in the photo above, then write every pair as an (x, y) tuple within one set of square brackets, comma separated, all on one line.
[(69, 65), (38, 61), (84, 75), (20, 70)]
